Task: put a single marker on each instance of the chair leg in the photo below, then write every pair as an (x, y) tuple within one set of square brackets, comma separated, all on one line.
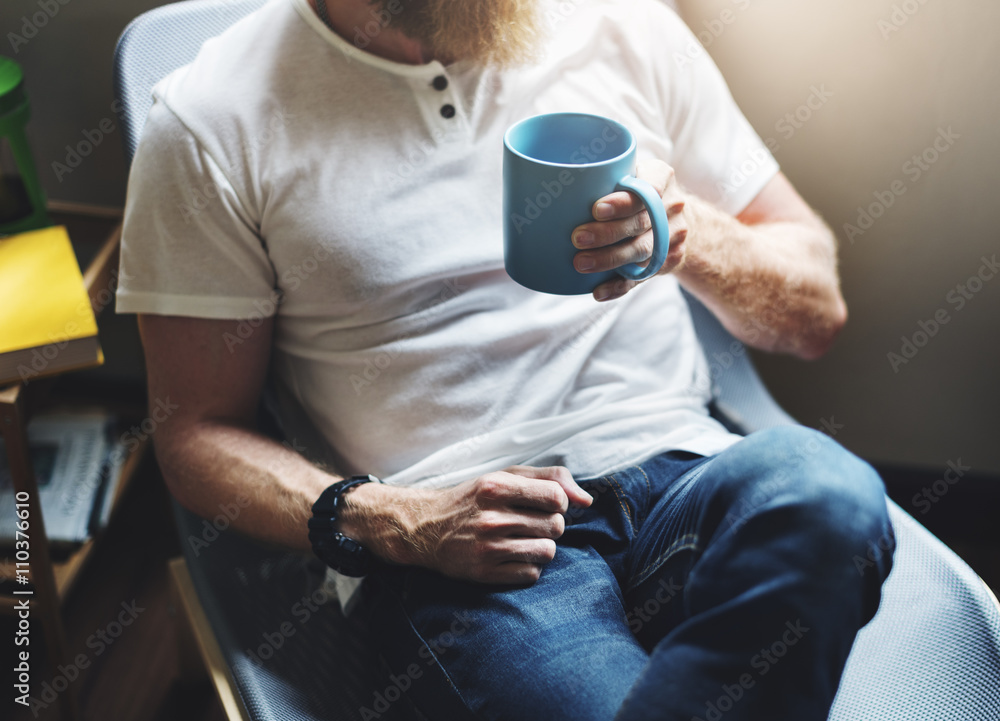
[(189, 664), (198, 649)]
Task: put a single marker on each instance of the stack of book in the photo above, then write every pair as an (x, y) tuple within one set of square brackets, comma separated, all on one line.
[(47, 324), (77, 456)]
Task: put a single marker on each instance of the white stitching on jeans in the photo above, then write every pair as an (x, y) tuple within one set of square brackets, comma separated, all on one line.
[(620, 495), (684, 543)]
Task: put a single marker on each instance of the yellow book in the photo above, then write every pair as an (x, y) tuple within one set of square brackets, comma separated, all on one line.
[(47, 324)]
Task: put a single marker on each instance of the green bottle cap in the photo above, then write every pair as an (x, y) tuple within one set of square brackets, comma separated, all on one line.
[(12, 93)]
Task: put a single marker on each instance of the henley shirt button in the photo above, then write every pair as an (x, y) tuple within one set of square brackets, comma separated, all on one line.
[(448, 111), (440, 82)]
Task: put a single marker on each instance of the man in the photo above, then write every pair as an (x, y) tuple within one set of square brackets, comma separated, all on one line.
[(564, 532)]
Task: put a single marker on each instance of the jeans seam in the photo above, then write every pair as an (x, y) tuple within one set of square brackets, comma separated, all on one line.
[(685, 542), (676, 547), (620, 495), (649, 494)]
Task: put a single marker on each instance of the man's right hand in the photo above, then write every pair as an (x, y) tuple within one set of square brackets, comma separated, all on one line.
[(499, 528)]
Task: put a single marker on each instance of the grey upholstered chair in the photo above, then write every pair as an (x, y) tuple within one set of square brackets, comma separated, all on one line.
[(932, 653)]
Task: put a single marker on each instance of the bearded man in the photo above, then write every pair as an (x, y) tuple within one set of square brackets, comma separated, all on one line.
[(563, 530)]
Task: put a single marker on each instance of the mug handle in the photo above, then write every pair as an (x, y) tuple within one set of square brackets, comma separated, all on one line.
[(661, 230)]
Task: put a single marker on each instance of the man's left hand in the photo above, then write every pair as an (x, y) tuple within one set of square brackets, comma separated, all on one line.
[(622, 215)]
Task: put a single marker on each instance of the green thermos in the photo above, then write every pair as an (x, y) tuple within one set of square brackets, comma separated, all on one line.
[(22, 200)]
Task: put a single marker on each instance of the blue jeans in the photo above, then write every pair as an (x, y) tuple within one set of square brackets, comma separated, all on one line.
[(693, 588)]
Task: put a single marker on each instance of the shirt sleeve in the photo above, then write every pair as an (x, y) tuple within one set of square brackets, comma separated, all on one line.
[(190, 245), (717, 153)]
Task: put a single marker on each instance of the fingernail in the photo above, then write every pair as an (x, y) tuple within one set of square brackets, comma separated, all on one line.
[(602, 293), (585, 262), (603, 211), (583, 239)]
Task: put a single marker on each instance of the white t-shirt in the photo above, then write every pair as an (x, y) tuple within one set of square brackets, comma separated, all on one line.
[(286, 171)]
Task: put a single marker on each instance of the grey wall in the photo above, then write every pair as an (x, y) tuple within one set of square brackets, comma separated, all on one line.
[(895, 81), (67, 66), (890, 95)]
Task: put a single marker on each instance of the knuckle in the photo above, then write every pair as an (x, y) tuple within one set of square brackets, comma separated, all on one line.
[(642, 248), (605, 235), (490, 487), (548, 550), (485, 553), (558, 526), (489, 521), (622, 255), (553, 496), (658, 173), (668, 178), (640, 223), (621, 287)]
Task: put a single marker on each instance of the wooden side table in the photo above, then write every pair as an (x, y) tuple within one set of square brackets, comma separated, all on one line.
[(51, 582)]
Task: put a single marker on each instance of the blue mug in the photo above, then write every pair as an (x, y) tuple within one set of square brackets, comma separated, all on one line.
[(555, 167)]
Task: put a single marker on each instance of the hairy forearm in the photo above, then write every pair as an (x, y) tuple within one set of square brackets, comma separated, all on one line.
[(386, 520), (773, 285), (212, 464)]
